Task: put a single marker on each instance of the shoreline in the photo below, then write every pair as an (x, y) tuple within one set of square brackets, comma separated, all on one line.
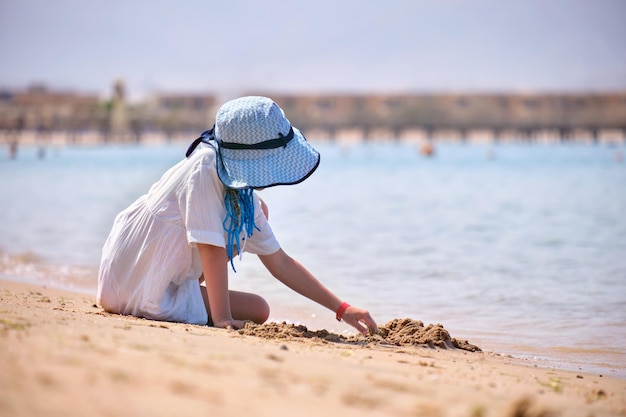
[(63, 355), (552, 357)]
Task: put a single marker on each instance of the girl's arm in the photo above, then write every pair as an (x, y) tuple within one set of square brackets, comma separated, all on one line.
[(215, 268), (291, 273)]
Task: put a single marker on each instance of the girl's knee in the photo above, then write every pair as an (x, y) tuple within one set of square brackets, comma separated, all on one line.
[(247, 306), (262, 310)]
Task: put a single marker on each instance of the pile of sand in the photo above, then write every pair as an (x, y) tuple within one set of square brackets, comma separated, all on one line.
[(398, 332)]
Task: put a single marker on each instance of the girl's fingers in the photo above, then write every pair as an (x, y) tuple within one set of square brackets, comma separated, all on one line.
[(371, 325), (363, 323)]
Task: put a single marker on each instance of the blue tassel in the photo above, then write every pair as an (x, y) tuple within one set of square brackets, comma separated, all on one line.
[(239, 217)]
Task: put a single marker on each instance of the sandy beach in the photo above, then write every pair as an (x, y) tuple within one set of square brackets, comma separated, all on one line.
[(61, 355)]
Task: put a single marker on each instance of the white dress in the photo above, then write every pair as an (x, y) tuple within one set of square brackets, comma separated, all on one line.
[(150, 263)]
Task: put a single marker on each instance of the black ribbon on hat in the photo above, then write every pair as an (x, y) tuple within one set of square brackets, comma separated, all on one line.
[(206, 136), (280, 141)]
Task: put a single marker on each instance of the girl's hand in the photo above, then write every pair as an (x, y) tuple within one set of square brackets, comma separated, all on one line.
[(360, 320), (229, 324)]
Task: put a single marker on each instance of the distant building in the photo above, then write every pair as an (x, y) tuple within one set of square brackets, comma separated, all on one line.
[(39, 108), (193, 113), (119, 119)]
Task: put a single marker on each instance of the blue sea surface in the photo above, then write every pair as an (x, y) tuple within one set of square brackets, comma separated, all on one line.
[(518, 248)]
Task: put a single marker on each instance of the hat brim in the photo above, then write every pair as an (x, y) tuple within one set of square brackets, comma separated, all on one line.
[(263, 168)]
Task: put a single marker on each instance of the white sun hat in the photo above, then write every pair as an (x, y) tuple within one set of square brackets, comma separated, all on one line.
[(257, 147)]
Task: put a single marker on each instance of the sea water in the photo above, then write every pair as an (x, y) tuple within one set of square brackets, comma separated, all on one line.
[(518, 248)]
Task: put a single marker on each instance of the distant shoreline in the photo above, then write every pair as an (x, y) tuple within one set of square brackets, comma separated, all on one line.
[(33, 138)]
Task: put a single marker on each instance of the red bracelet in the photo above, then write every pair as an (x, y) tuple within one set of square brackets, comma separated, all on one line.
[(342, 309)]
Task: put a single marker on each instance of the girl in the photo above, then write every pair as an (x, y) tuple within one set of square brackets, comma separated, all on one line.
[(167, 255)]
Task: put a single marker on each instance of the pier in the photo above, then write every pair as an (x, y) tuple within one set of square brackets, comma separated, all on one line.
[(464, 117)]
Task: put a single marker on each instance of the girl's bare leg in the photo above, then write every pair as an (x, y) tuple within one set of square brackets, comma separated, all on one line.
[(243, 306)]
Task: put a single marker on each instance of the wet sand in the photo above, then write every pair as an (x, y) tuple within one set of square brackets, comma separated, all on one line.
[(61, 355)]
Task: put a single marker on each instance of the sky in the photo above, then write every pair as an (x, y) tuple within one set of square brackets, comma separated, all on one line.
[(230, 47)]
